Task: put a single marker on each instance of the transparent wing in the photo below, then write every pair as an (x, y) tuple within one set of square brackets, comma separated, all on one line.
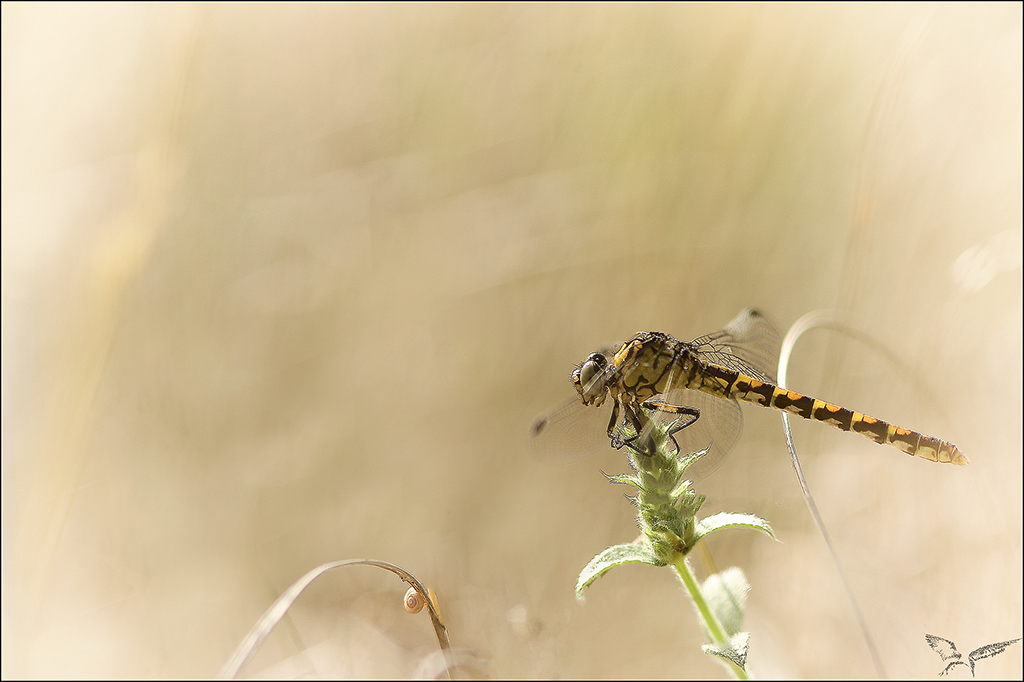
[(574, 430), (571, 432), (718, 428), (748, 344)]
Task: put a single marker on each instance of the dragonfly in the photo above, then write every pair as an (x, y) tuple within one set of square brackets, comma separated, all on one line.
[(700, 383)]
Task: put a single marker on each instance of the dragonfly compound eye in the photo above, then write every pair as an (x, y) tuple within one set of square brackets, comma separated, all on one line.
[(592, 379)]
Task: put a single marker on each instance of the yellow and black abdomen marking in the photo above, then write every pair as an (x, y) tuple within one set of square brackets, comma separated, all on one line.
[(911, 442)]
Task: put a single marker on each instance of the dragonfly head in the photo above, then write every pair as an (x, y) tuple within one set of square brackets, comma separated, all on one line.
[(591, 379)]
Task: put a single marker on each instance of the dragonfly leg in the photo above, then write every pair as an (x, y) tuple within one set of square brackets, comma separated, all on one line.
[(612, 424), (689, 416), (661, 406), (639, 424), (631, 416), (638, 417)]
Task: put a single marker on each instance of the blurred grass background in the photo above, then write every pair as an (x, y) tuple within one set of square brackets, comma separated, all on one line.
[(288, 284)]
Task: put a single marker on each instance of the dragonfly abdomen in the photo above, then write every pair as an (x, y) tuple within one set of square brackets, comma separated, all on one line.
[(727, 383), (884, 433)]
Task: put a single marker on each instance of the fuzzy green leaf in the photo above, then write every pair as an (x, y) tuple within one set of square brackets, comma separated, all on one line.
[(623, 478), (726, 595), (616, 555), (735, 651), (715, 522)]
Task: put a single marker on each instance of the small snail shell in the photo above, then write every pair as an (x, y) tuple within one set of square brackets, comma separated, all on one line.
[(414, 601)]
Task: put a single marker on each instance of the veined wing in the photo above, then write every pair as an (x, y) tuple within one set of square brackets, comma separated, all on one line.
[(749, 344), (718, 428), (574, 430)]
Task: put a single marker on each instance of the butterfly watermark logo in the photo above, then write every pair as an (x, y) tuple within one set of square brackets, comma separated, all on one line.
[(947, 650)]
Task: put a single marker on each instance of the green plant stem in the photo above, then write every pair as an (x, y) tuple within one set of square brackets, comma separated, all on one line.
[(711, 623)]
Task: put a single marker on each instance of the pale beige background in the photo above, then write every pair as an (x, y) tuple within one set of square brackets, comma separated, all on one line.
[(288, 284)]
